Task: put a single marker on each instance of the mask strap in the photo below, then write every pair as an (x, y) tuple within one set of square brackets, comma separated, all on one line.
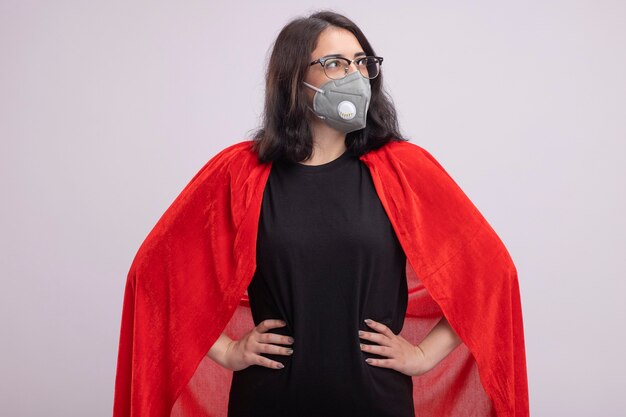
[(319, 90), (313, 111)]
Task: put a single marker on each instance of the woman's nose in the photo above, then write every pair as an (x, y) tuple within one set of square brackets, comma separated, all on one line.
[(352, 68)]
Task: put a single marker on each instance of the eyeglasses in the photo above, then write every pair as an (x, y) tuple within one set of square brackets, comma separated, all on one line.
[(337, 68)]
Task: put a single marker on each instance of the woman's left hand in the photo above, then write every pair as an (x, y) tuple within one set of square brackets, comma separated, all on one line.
[(402, 355)]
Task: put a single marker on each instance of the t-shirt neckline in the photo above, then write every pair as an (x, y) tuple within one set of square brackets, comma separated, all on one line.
[(340, 160)]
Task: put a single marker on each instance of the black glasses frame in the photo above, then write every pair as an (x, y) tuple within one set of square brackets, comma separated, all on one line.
[(322, 62)]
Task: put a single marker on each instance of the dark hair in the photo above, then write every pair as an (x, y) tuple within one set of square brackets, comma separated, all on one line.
[(285, 131)]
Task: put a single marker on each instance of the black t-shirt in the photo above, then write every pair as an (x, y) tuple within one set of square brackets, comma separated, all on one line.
[(327, 258)]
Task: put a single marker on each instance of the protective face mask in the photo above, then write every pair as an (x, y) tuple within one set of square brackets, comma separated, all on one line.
[(343, 103)]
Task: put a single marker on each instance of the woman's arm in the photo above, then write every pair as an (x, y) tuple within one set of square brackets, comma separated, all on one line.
[(441, 340), (218, 350)]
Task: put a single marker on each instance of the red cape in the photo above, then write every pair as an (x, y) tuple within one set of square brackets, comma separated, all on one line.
[(188, 281)]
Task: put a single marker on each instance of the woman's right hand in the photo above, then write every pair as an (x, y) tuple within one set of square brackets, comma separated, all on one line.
[(245, 352)]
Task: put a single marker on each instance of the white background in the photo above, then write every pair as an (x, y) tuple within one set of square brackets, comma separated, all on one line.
[(107, 109)]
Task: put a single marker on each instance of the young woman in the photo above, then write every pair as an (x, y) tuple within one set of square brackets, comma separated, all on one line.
[(327, 254), (343, 235)]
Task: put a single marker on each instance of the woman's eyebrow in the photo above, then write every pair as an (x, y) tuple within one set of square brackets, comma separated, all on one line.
[(339, 55)]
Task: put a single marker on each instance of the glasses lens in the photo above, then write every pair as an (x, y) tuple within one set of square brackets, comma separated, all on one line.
[(335, 68), (369, 67)]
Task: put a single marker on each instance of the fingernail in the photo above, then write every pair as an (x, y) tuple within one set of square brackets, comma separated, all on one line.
[(291, 340), (368, 360), (280, 365), (368, 321), (290, 351), (360, 333)]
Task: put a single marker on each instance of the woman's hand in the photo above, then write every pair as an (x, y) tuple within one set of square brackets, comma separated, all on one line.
[(245, 352), (403, 356)]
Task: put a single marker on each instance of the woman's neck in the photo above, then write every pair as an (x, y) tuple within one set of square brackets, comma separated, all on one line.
[(328, 143)]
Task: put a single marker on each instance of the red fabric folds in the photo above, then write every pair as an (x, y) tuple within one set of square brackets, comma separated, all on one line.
[(188, 280)]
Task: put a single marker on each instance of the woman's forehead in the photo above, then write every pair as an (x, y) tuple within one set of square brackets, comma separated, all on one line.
[(339, 42)]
